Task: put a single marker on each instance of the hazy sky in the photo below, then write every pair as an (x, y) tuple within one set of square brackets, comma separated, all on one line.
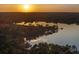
[(41, 8)]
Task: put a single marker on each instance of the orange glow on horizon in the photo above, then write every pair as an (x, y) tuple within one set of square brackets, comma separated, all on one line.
[(38, 8), (25, 8)]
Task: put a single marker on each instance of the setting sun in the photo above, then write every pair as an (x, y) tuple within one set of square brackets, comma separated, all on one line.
[(26, 7)]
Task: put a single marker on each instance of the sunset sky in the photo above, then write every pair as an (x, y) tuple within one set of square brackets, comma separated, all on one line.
[(39, 8)]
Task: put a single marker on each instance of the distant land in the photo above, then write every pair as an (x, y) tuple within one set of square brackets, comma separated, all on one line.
[(55, 17)]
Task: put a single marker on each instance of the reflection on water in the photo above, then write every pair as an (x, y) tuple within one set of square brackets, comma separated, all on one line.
[(69, 35)]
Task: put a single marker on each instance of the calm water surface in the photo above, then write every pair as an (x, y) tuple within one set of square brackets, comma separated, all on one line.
[(69, 35)]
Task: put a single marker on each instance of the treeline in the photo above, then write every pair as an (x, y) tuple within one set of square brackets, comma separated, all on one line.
[(45, 48), (30, 32), (60, 17), (12, 37), (41, 48)]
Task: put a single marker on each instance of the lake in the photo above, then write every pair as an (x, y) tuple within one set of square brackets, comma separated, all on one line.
[(69, 35)]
